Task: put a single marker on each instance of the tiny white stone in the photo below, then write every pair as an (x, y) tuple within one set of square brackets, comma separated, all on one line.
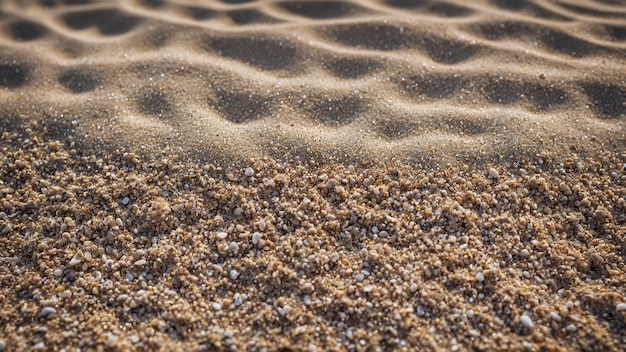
[(368, 288), (255, 238), (374, 229), (233, 247), (222, 235), (75, 261), (526, 321), (413, 287), (216, 306), (140, 262), (233, 274), (125, 200), (111, 339), (40, 346), (130, 277), (555, 316), (570, 328), (134, 338), (262, 225), (249, 172), (480, 277), (494, 173), (47, 311), (306, 300), (620, 307)]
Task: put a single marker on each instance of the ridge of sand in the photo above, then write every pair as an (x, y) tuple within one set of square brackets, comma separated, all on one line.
[(431, 82)]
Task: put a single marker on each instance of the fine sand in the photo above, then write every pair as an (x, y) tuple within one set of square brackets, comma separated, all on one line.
[(312, 175)]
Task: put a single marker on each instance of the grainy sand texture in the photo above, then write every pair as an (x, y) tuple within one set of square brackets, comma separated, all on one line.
[(304, 175)]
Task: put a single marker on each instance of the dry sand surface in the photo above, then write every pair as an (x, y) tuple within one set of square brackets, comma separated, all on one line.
[(313, 175)]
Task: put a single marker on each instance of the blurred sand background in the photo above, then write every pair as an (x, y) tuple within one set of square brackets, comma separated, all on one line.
[(313, 175)]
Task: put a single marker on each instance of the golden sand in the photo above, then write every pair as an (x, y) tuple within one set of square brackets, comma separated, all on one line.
[(312, 175), (117, 252)]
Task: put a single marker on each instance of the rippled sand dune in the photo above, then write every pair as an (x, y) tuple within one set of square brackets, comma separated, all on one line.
[(413, 81), (286, 175)]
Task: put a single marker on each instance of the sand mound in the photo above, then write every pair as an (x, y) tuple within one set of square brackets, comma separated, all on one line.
[(413, 81)]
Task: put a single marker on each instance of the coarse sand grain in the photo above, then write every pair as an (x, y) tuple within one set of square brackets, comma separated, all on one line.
[(305, 257)]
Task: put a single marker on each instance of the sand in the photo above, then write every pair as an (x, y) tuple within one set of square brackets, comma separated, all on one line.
[(312, 175)]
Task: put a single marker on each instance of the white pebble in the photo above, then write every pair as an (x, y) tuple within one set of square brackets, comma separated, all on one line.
[(140, 262), (374, 229), (40, 346), (306, 300), (111, 339), (222, 235), (368, 288), (526, 321), (555, 316), (255, 238), (233, 247), (620, 307), (308, 287), (570, 328), (47, 311), (233, 274), (249, 172), (134, 338), (413, 287), (494, 173), (75, 261), (480, 277), (125, 200), (216, 306), (262, 225), (130, 277)]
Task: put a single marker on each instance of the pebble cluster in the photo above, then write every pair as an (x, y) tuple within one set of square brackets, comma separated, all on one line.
[(111, 251)]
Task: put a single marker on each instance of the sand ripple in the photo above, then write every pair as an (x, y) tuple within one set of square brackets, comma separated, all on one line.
[(413, 81)]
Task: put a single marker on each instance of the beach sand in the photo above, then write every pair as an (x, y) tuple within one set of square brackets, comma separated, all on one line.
[(313, 175)]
